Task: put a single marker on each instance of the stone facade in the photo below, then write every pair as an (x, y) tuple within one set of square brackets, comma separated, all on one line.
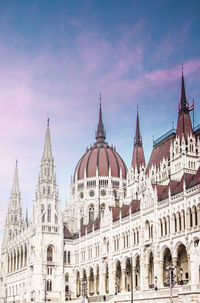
[(120, 231)]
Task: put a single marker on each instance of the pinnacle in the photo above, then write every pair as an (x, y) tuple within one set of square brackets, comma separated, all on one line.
[(138, 138), (15, 187), (100, 133), (183, 102), (47, 153)]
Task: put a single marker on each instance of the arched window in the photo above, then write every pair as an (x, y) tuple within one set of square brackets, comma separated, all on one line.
[(10, 234), (49, 190), (175, 223), (66, 277), (91, 213), (25, 256), (49, 214), (102, 209), (190, 217), (68, 257), (49, 285), (65, 257), (43, 214), (50, 253)]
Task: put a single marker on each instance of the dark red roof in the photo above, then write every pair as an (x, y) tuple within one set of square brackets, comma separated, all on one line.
[(195, 179), (177, 186), (67, 234), (160, 151), (101, 157), (89, 227), (135, 206)]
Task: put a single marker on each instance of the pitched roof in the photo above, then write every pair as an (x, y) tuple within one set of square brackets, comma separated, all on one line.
[(160, 151), (177, 186)]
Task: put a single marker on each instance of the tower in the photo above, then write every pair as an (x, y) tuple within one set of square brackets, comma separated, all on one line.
[(137, 171), (47, 206), (48, 240)]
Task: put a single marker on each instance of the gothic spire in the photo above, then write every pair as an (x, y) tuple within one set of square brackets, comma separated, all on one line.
[(138, 153), (184, 125), (183, 101), (100, 133), (138, 138), (47, 153), (15, 187)]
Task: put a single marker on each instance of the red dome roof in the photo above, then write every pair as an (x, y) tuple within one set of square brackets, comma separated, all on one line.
[(101, 157)]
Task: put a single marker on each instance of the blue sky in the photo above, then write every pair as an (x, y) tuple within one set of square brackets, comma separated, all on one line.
[(56, 57)]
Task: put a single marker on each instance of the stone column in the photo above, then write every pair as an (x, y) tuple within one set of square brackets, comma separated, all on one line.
[(95, 284), (123, 280), (189, 267), (112, 281), (88, 286), (133, 273), (160, 274), (174, 263), (101, 280), (146, 276)]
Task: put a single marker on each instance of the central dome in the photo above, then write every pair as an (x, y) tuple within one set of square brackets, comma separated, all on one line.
[(100, 158)]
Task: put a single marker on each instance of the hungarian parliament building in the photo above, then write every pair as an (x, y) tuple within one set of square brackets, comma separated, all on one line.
[(126, 235)]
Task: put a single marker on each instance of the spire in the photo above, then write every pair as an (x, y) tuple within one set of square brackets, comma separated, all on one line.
[(184, 125), (15, 187), (138, 138), (47, 153), (183, 101), (138, 153), (100, 133)]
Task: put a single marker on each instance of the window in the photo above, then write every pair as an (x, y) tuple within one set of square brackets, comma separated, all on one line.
[(50, 253), (68, 257), (67, 277), (91, 213), (49, 285), (49, 270), (65, 257), (49, 214)]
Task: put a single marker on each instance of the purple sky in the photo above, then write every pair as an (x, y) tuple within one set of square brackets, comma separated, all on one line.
[(56, 57)]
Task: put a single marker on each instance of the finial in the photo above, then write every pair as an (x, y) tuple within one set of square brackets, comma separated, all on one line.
[(182, 68), (48, 121), (16, 162), (100, 133)]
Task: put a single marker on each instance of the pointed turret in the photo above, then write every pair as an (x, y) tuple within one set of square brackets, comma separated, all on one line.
[(138, 153), (100, 133), (138, 138), (184, 125), (183, 102), (15, 187), (14, 215), (47, 153)]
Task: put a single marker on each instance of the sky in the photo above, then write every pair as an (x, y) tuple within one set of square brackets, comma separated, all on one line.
[(55, 59)]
